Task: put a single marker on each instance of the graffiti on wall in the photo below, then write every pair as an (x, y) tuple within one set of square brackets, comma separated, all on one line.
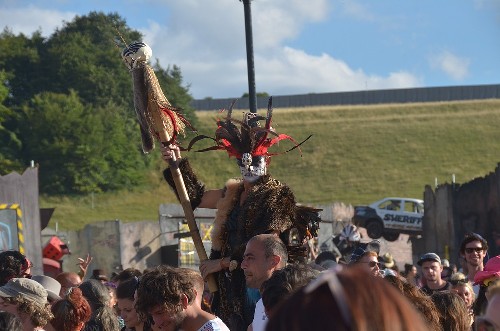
[(9, 223)]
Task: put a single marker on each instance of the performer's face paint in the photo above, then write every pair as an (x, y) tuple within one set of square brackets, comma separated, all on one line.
[(252, 168)]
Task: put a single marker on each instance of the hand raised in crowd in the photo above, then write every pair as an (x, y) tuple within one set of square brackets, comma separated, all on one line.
[(83, 264)]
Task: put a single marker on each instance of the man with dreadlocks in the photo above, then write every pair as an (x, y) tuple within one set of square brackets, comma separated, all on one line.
[(254, 204)]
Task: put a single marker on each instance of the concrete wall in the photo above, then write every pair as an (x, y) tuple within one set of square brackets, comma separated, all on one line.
[(23, 190), (115, 245)]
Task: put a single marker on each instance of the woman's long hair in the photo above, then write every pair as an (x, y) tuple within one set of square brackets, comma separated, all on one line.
[(98, 297)]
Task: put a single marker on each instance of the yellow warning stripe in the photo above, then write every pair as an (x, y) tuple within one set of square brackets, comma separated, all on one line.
[(19, 217)]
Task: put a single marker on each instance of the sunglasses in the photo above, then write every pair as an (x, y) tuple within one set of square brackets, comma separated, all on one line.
[(458, 281), (471, 250), (372, 264), (484, 324)]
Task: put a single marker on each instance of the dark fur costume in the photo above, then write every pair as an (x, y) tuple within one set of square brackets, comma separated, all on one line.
[(194, 187), (269, 207)]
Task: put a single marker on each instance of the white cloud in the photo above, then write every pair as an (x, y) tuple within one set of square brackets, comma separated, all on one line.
[(279, 20), (294, 71), (211, 50), (207, 40), (452, 65), (27, 20)]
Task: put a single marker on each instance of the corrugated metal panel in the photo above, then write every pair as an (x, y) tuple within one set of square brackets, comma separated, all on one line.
[(424, 94)]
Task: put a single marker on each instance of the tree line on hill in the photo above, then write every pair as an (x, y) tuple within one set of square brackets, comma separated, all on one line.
[(66, 102)]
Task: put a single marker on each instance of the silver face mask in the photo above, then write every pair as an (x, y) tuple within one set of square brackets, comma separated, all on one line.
[(252, 168)]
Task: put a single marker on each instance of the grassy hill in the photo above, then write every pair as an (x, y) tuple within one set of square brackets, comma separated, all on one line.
[(357, 154)]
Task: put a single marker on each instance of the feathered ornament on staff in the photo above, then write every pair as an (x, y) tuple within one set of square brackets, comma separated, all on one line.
[(159, 120), (154, 112)]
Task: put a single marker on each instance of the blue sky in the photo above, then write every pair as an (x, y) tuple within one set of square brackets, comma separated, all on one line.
[(301, 46)]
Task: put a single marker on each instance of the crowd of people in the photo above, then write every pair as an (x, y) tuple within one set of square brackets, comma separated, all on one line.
[(367, 292), (260, 262)]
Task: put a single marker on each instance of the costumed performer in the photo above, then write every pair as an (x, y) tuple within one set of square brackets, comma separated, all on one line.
[(251, 205)]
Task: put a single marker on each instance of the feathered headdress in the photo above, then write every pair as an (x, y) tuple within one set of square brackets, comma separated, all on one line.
[(250, 138)]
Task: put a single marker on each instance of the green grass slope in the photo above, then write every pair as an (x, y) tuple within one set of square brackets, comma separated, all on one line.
[(357, 154)]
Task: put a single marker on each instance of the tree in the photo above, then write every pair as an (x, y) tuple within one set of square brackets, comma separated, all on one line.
[(84, 57), (79, 150), (71, 105), (10, 146), (20, 58)]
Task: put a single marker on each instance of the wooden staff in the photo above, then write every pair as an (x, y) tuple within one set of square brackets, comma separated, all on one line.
[(151, 107)]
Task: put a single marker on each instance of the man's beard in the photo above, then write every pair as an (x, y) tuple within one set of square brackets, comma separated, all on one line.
[(175, 323), (179, 318)]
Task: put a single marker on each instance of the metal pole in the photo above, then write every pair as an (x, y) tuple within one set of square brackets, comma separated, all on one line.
[(252, 95)]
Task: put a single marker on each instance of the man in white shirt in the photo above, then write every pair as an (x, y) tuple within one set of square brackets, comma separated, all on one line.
[(264, 254), (169, 296)]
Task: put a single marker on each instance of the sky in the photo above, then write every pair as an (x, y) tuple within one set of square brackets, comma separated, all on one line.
[(300, 46)]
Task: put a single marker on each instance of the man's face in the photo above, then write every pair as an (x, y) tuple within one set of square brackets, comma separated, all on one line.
[(474, 253), (165, 320), (370, 264), (257, 267), (432, 271), (252, 168)]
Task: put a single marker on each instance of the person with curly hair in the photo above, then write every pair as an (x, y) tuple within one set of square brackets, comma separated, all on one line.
[(27, 300), (13, 264), (199, 287), (72, 312), (170, 298)]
